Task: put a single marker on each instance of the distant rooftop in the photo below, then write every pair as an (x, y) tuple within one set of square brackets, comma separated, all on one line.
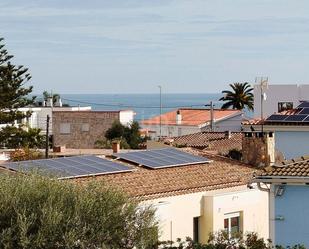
[(221, 142), (191, 117)]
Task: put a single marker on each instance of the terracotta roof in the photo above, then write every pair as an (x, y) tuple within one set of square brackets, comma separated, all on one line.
[(292, 168), (146, 183), (256, 121), (191, 117), (215, 141)]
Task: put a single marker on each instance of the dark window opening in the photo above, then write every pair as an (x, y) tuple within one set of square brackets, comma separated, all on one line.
[(284, 106), (196, 229)]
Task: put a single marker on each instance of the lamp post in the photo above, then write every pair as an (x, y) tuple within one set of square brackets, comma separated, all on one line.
[(160, 87)]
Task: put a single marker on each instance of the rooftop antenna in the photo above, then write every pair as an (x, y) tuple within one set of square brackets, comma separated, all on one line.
[(263, 82)]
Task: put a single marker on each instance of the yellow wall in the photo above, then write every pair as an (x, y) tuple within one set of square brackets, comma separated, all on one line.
[(176, 213)]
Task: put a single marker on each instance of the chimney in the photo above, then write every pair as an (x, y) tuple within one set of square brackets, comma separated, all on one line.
[(58, 102), (49, 102), (258, 148), (228, 134), (178, 118), (116, 146)]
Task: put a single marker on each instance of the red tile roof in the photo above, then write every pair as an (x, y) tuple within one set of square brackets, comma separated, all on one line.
[(215, 141), (298, 167), (191, 117), (146, 183)]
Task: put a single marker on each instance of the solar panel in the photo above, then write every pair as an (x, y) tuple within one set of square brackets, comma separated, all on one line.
[(295, 118), (70, 167), (305, 111), (276, 117), (304, 104), (306, 120), (162, 158)]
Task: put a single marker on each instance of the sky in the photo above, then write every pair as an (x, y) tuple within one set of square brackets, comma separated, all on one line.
[(132, 46)]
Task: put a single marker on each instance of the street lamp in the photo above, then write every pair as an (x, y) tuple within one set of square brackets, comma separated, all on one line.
[(160, 87)]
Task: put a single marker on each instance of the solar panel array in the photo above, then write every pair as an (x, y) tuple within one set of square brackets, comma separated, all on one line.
[(162, 158), (70, 167), (302, 116)]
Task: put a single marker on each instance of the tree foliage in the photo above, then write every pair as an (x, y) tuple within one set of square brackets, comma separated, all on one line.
[(17, 137), (129, 135), (38, 212), (13, 94), (239, 98)]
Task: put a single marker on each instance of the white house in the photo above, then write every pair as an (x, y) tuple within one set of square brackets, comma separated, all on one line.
[(38, 117), (196, 200), (279, 98), (186, 121)]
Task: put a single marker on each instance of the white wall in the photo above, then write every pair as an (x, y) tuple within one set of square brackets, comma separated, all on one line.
[(278, 93), (176, 213), (231, 124), (126, 117), (171, 130)]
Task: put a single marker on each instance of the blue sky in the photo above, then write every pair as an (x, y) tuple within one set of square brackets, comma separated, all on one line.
[(97, 46)]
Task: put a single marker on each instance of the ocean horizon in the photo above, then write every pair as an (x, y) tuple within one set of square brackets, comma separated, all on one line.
[(144, 105)]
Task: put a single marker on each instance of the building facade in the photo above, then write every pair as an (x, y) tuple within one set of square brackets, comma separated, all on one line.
[(196, 200), (186, 121), (81, 129), (279, 98)]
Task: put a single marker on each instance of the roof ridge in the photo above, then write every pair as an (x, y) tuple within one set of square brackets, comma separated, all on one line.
[(292, 161)]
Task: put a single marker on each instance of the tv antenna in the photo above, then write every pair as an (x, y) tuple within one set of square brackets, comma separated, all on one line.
[(263, 82)]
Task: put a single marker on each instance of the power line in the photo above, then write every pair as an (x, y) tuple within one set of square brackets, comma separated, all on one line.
[(131, 106)]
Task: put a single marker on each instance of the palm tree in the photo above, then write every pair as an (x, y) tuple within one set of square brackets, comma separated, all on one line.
[(239, 98)]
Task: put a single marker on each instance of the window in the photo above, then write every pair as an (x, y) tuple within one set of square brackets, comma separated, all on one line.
[(232, 223), (85, 127), (196, 229), (65, 128), (283, 106)]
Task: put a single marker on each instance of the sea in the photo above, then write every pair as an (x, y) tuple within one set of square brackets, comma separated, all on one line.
[(144, 105)]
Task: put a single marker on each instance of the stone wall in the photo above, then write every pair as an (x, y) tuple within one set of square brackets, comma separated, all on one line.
[(258, 149), (85, 127)]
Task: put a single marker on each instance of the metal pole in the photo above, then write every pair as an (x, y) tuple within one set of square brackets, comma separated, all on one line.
[(47, 137), (160, 87)]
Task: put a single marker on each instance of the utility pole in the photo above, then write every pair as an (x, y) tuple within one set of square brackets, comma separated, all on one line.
[(160, 87), (47, 137)]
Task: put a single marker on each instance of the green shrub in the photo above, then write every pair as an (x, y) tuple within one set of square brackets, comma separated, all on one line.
[(38, 212)]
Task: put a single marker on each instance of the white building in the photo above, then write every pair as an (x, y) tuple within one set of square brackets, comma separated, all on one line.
[(278, 98), (196, 200), (38, 116), (186, 121)]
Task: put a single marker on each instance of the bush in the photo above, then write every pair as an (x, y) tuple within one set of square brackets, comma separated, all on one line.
[(25, 154), (38, 212), (18, 137), (221, 240), (130, 136)]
